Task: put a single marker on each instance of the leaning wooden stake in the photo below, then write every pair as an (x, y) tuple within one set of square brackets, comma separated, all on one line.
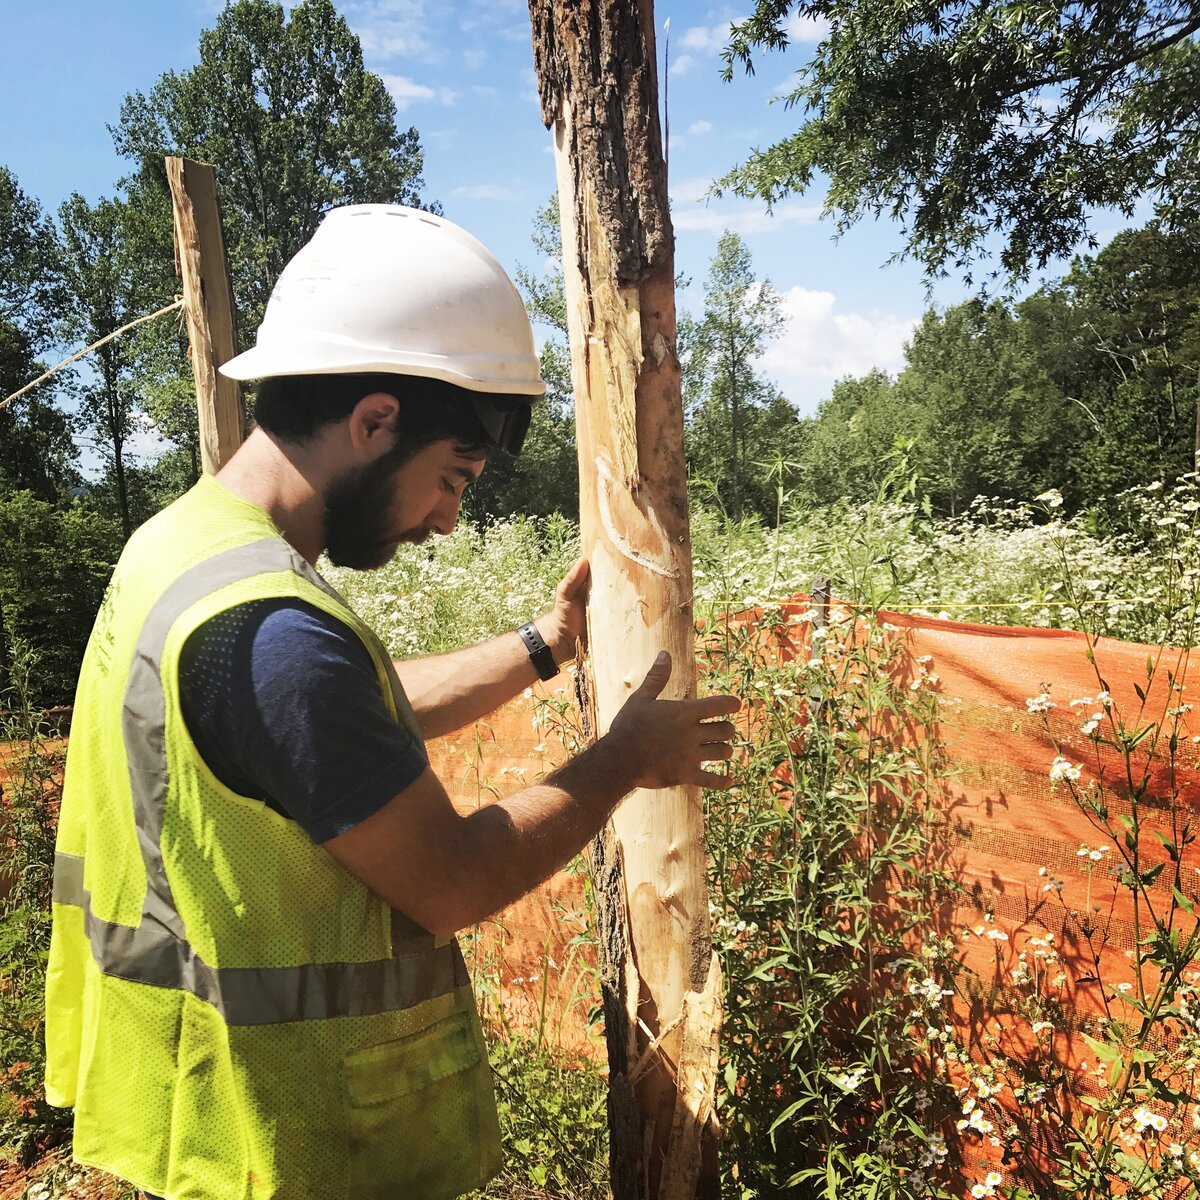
[(596, 68), (208, 303)]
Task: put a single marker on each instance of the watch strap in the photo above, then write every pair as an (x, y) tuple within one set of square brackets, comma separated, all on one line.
[(539, 653)]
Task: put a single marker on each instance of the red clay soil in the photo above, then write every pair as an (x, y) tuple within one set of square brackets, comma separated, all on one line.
[(89, 1185)]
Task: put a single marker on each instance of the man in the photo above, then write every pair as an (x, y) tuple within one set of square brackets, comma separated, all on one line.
[(254, 989)]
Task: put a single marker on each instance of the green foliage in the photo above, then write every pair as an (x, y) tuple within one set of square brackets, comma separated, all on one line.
[(459, 589), (553, 1122), (1090, 385), (828, 819), (53, 573), (963, 121), (545, 478), (997, 564), (108, 287), (544, 294), (36, 451), (987, 420), (831, 819), (847, 445), (1140, 301), (30, 788), (736, 422), (1127, 1129), (283, 104), (30, 285)]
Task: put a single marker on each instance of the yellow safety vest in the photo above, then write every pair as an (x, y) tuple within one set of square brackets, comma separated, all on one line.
[(233, 1015)]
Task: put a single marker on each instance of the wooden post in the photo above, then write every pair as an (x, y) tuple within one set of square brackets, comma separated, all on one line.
[(208, 303), (661, 980)]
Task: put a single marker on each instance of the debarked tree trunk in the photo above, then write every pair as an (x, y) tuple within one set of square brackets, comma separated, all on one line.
[(661, 980)]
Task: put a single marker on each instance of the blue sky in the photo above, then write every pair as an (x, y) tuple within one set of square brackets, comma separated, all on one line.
[(461, 71)]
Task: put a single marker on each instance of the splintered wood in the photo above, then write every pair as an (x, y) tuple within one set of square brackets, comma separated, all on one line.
[(208, 303), (661, 981)]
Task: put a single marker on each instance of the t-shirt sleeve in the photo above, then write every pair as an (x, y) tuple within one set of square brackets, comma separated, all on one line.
[(284, 705)]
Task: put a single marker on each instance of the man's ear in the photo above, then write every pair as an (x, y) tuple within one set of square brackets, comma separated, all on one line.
[(374, 423)]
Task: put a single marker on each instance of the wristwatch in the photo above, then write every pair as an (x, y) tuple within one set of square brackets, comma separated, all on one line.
[(539, 652)]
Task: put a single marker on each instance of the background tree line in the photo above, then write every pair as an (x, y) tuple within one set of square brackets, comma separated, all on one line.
[(283, 103), (1089, 384)]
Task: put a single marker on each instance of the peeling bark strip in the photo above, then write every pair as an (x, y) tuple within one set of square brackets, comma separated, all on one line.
[(208, 303), (660, 978)]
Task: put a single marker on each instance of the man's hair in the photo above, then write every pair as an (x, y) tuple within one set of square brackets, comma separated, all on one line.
[(292, 408)]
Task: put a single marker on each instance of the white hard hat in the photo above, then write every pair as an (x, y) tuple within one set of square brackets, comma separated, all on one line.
[(383, 288)]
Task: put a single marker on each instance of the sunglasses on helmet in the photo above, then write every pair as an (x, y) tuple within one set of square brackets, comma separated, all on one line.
[(506, 422)]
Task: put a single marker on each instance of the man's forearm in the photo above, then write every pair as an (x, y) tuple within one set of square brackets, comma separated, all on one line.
[(511, 846), (448, 870), (448, 691)]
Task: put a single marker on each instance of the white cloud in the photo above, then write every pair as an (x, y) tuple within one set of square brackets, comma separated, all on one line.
[(821, 345), (690, 191), (805, 29), (746, 217), (707, 38), (681, 65), (392, 28), (699, 128), (499, 18), (485, 191), (405, 91)]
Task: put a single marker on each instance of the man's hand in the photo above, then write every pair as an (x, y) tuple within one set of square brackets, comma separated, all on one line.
[(667, 740), (566, 622)]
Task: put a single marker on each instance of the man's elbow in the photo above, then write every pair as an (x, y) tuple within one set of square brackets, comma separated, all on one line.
[(443, 909), (446, 921)]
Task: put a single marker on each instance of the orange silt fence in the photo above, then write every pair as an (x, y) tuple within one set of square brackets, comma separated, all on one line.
[(1063, 763), (1071, 763)]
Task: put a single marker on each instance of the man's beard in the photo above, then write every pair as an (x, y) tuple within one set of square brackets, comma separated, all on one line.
[(358, 533)]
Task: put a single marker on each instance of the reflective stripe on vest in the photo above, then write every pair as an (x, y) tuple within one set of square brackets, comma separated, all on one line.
[(156, 951)]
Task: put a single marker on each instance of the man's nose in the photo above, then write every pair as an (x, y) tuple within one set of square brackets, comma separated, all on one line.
[(445, 516)]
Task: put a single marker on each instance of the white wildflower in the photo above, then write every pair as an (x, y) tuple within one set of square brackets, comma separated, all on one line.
[(1063, 769)]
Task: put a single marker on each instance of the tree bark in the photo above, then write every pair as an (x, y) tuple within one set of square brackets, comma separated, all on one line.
[(116, 423), (660, 978)]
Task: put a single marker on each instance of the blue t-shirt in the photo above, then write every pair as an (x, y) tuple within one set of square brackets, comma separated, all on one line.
[(284, 706)]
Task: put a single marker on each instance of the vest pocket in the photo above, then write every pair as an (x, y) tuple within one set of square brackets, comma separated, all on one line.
[(421, 1116)]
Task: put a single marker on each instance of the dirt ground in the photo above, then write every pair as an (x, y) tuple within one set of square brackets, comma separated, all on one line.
[(54, 1177)]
